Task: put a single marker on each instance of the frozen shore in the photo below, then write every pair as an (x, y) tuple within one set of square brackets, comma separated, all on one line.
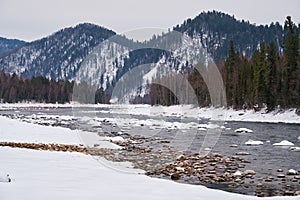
[(49, 175), (223, 114)]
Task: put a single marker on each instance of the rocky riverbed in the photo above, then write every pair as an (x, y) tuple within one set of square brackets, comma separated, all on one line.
[(212, 170), (230, 165)]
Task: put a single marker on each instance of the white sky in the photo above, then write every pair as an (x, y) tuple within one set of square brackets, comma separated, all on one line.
[(33, 19)]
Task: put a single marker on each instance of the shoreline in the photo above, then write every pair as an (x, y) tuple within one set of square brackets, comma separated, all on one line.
[(27, 130), (287, 116)]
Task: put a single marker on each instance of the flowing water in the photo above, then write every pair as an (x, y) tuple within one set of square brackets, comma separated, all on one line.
[(264, 159)]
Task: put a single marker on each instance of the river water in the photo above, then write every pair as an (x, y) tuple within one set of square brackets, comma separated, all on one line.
[(188, 134)]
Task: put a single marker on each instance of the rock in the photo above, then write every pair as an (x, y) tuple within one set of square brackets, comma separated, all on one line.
[(297, 193), (297, 177), (180, 157), (279, 170), (212, 172), (295, 149), (202, 162), (241, 166), (180, 169), (260, 194), (259, 185), (234, 145), (175, 176), (237, 180), (5, 178), (243, 130), (180, 164), (242, 153), (269, 179), (280, 176), (288, 193), (238, 173), (117, 139), (249, 172), (292, 172), (186, 163)]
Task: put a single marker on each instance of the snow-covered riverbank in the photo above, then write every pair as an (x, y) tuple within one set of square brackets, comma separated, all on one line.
[(282, 116), (60, 175)]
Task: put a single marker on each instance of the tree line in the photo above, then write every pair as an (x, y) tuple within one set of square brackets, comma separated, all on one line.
[(39, 89), (269, 78)]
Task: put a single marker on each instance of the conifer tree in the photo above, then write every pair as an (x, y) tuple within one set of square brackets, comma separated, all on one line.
[(291, 56)]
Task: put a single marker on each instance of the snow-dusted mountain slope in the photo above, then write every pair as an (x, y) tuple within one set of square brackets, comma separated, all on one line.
[(70, 53), (57, 56)]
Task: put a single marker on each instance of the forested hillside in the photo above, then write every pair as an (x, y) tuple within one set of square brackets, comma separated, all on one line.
[(259, 64)]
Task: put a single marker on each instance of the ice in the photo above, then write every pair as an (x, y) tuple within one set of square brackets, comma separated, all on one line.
[(254, 142), (284, 143), (243, 130), (192, 111)]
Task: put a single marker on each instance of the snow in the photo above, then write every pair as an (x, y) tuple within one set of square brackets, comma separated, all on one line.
[(254, 142), (284, 143), (48, 175), (59, 175), (16, 131), (243, 130), (117, 139), (4, 178), (292, 172), (224, 114)]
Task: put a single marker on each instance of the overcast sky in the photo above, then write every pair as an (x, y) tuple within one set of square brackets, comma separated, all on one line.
[(33, 19)]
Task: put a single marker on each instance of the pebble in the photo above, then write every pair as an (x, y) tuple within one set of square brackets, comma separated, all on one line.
[(288, 193), (175, 176), (260, 194), (237, 180), (259, 185), (181, 157), (292, 172), (181, 169), (238, 173), (249, 172), (269, 179), (242, 153), (280, 175)]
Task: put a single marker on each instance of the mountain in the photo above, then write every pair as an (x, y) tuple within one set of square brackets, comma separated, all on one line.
[(66, 54), (57, 56), (216, 29), (8, 45)]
